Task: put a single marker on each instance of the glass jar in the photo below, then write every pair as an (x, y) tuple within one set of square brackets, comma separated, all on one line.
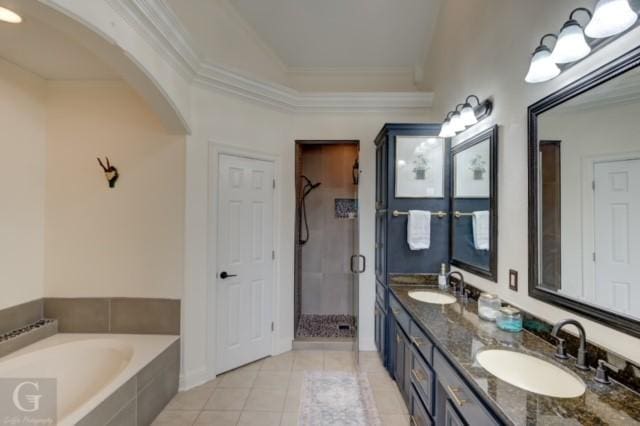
[(509, 319), (488, 306)]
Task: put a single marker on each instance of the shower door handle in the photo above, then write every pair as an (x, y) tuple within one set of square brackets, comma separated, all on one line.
[(364, 264)]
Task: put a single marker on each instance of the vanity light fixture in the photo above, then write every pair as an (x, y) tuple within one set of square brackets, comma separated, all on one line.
[(611, 17), (459, 120), (571, 45), (542, 67), (7, 15)]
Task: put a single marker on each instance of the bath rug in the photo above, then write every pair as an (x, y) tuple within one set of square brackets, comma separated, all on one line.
[(333, 398)]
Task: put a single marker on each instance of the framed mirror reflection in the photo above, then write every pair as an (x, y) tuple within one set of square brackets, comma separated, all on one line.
[(584, 200), (474, 223)]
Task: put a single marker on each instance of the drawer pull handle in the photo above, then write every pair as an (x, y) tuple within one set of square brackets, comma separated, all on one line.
[(417, 341), (418, 375), (395, 311), (412, 421), (454, 394), (397, 338)]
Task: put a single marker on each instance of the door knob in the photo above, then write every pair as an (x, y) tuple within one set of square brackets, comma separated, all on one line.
[(224, 275)]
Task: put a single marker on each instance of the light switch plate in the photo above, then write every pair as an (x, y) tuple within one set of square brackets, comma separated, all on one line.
[(513, 279)]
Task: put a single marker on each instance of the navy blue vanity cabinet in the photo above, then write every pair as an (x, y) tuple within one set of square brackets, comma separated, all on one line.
[(392, 253), (380, 326)]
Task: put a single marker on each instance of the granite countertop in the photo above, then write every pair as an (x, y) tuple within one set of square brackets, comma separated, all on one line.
[(459, 334)]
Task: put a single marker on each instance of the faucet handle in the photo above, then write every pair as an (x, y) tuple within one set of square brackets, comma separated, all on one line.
[(561, 349), (601, 372)]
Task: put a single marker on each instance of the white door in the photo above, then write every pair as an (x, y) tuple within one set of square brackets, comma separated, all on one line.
[(245, 261), (617, 235)]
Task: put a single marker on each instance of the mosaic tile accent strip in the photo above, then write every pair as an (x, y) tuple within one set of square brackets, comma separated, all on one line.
[(25, 329), (26, 335), (326, 326), (346, 208), (337, 399)]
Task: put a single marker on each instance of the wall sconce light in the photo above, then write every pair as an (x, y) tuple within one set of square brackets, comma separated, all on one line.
[(571, 45), (464, 116), (9, 16), (611, 18), (110, 172), (542, 67)]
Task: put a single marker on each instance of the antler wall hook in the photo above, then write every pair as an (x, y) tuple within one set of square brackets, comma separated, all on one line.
[(110, 172)]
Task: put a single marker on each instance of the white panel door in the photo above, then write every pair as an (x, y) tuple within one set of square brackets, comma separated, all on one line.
[(617, 235), (245, 262)]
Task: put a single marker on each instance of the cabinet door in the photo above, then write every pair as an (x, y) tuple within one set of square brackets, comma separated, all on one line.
[(379, 326), (381, 176), (419, 416), (399, 357), (381, 249), (451, 416)]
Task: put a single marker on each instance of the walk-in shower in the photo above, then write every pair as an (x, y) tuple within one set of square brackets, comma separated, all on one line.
[(326, 240)]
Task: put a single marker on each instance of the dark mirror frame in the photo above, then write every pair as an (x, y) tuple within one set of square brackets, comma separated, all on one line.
[(624, 63), (490, 134)]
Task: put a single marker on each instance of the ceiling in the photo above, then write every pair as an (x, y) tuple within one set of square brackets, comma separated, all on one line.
[(331, 34), (37, 47)]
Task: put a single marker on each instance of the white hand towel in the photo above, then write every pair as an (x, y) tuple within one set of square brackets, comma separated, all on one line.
[(481, 230), (419, 230)]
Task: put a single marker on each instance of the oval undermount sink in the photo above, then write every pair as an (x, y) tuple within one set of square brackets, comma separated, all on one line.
[(432, 297), (531, 373)]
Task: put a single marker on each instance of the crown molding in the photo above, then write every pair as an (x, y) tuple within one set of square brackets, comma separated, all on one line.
[(157, 23)]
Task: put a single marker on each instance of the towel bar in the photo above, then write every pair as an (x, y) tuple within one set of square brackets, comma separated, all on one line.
[(458, 214), (439, 214)]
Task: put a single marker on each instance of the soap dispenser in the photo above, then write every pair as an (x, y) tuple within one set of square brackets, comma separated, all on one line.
[(442, 277)]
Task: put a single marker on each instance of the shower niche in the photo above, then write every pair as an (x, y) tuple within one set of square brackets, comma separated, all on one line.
[(326, 240)]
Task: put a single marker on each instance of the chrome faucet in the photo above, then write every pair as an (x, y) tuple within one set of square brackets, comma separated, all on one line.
[(460, 287), (561, 349)]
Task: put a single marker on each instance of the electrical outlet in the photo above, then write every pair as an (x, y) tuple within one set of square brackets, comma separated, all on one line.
[(513, 280)]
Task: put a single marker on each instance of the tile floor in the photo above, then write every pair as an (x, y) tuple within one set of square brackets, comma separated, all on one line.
[(267, 392)]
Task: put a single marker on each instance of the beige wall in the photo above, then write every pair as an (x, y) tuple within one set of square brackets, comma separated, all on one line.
[(22, 186), (126, 241), (483, 47)]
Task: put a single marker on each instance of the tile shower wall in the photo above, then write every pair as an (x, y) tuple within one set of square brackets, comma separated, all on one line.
[(326, 280)]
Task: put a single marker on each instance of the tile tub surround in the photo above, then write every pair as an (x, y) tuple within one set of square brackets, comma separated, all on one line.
[(115, 315), (459, 333), (268, 392), (19, 316), (137, 393), (26, 335)]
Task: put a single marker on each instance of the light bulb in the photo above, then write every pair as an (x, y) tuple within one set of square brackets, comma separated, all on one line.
[(445, 131), (610, 17), (542, 67), (468, 116)]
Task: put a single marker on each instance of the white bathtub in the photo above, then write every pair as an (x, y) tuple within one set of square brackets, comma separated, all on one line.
[(88, 367)]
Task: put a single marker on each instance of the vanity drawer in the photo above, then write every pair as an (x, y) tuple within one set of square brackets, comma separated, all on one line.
[(459, 395), (419, 416), (421, 342), (401, 315), (423, 380), (380, 293)]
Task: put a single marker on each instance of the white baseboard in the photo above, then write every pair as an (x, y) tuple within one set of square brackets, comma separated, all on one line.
[(367, 345)]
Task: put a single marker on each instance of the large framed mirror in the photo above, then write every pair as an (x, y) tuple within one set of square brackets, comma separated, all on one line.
[(474, 204), (584, 196)]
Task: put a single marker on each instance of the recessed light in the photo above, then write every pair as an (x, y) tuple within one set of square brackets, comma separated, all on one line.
[(9, 16)]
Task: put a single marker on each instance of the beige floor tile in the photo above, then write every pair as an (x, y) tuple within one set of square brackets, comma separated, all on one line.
[(292, 400), (333, 364), (395, 420), (341, 356), (218, 418), (282, 362), (296, 379), (381, 381), (259, 418), (224, 399), (193, 399), (272, 379), (289, 419), (387, 402), (266, 399), (371, 365), (238, 379), (308, 360), (176, 418)]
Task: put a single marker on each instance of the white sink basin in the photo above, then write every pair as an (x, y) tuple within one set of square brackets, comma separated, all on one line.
[(432, 297), (531, 373)]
